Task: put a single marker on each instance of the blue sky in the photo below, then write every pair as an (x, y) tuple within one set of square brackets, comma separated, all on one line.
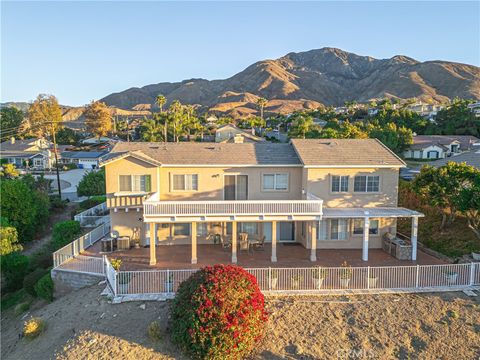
[(80, 51)]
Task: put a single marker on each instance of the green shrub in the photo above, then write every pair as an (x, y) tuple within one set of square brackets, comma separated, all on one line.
[(22, 307), (219, 313), (67, 167), (11, 299), (91, 202), (42, 259), (65, 232), (33, 328), (14, 269), (56, 203), (31, 280), (44, 287), (154, 331), (92, 183)]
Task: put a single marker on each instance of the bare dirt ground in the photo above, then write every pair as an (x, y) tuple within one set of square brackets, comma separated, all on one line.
[(84, 325)]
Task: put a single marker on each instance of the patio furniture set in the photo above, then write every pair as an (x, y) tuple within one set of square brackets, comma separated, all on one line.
[(114, 242), (244, 243)]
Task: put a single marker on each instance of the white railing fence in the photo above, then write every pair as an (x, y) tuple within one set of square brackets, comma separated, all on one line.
[(74, 248), (94, 216), (227, 208), (110, 274), (314, 279)]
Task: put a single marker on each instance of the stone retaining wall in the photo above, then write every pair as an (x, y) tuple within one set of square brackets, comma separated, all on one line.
[(67, 281)]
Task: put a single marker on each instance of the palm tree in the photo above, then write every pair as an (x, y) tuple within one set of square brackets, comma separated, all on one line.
[(149, 130), (261, 102), (176, 110), (161, 100)]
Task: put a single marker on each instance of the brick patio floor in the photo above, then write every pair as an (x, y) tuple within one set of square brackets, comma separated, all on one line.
[(291, 255)]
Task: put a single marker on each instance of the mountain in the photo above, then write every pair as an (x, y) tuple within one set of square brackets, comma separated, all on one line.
[(308, 79)]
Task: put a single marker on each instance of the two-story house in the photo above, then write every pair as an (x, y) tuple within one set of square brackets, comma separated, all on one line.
[(321, 193)]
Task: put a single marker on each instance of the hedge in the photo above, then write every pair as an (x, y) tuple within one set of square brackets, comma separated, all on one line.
[(44, 287), (64, 233), (32, 279), (14, 269)]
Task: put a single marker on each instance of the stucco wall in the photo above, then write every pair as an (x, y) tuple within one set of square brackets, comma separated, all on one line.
[(319, 184)]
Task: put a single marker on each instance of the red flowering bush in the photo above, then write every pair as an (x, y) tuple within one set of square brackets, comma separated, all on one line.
[(219, 313)]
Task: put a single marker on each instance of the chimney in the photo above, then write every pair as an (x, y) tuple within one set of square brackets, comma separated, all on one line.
[(238, 139), (12, 140)]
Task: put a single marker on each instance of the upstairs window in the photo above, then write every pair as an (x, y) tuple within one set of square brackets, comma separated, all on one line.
[(366, 183), (185, 182), (275, 182), (339, 183), (134, 183)]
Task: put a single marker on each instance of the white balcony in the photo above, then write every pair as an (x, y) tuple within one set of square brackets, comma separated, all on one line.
[(246, 210)]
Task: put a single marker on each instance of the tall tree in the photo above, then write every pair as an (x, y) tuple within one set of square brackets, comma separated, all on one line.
[(458, 119), (262, 102), (176, 111), (469, 202), (301, 125), (150, 131), (161, 100), (10, 120), (44, 116), (98, 119)]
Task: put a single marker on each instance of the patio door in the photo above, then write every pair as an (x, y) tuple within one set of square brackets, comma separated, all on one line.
[(286, 231), (235, 187)]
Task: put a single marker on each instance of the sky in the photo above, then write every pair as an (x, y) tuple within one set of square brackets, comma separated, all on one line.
[(82, 51)]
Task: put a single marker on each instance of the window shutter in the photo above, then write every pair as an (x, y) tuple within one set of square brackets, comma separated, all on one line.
[(148, 183)]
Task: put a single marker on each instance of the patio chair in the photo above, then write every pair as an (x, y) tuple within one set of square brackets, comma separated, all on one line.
[(244, 245), (259, 245), (225, 244)]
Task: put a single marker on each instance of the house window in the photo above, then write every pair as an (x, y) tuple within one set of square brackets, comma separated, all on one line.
[(339, 183), (338, 229), (182, 229), (185, 182), (322, 230), (37, 162), (251, 228), (135, 183), (366, 183), (358, 227), (275, 182), (202, 229)]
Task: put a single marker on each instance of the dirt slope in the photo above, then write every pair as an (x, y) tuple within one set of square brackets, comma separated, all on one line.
[(83, 325)]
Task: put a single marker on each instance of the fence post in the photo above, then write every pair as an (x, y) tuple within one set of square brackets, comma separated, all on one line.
[(168, 281), (269, 279), (417, 276), (114, 282), (368, 278), (472, 273)]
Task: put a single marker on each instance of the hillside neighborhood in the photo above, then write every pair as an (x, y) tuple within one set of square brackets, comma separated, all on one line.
[(315, 205)]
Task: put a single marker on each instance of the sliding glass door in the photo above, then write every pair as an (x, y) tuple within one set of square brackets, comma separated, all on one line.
[(235, 187)]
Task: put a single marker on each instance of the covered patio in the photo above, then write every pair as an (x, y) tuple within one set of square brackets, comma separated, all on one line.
[(288, 255)]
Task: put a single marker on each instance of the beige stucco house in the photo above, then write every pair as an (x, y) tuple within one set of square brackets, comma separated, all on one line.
[(321, 193)]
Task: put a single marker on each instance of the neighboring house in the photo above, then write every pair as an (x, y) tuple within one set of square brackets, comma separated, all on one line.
[(426, 110), (231, 133), (317, 193), (439, 146), (471, 158), (30, 153), (475, 108), (96, 140), (83, 159)]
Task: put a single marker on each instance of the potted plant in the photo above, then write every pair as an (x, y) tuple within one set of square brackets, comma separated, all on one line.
[(345, 275), (451, 277), (372, 281), (319, 275), (296, 279), (169, 284), (273, 279), (123, 282)]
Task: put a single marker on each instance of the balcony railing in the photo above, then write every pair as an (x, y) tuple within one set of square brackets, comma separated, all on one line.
[(153, 207)]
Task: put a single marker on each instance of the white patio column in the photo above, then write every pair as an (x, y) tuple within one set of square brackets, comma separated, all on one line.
[(366, 231), (234, 242), (414, 237), (153, 241), (313, 241), (194, 242), (274, 241)]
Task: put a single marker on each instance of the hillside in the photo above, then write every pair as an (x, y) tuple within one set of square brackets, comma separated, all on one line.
[(326, 76)]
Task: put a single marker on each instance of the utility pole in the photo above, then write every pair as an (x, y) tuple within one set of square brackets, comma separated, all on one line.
[(56, 160)]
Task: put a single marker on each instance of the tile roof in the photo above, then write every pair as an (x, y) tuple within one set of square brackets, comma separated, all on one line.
[(190, 153), (470, 158), (423, 141), (345, 152)]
